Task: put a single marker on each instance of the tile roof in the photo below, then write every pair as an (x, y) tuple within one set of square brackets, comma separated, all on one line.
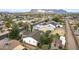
[(9, 45)]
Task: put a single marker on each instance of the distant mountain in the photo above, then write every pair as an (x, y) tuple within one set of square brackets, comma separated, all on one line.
[(58, 11)]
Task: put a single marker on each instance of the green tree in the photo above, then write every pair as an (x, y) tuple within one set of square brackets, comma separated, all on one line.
[(46, 39), (14, 33), (56, 19)]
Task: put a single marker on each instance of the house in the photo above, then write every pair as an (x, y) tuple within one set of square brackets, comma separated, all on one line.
[(76, 32), (56, 24), (10, 45), (1, 24), (19, 47), (30, 40), (47, 27), (16, 19), (3, 35), (35, 34), (44, 28)]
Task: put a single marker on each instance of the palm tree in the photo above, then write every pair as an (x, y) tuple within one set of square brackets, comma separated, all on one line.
[(31, 27), (8, 22), (26, 26)]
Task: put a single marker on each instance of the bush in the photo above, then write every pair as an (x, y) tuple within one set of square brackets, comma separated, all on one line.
[(46, 39), (45, 47)]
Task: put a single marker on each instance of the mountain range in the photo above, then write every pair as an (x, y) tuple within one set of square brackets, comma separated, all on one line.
[(58, 11)]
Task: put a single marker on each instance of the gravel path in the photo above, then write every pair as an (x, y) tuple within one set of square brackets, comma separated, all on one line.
[(71, 44)]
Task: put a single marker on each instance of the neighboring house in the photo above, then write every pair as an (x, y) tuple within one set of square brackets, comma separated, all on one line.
[(1, 24), (10, 45), (30, 40), (19, 47), (14, 20), (4, 35), (56, 24), (76, 32), (44, 28), (69, 17), (35, 34)]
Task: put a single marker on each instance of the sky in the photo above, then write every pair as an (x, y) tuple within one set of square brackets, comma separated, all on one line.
[(27, 5), (27, 10), (15, 10)]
